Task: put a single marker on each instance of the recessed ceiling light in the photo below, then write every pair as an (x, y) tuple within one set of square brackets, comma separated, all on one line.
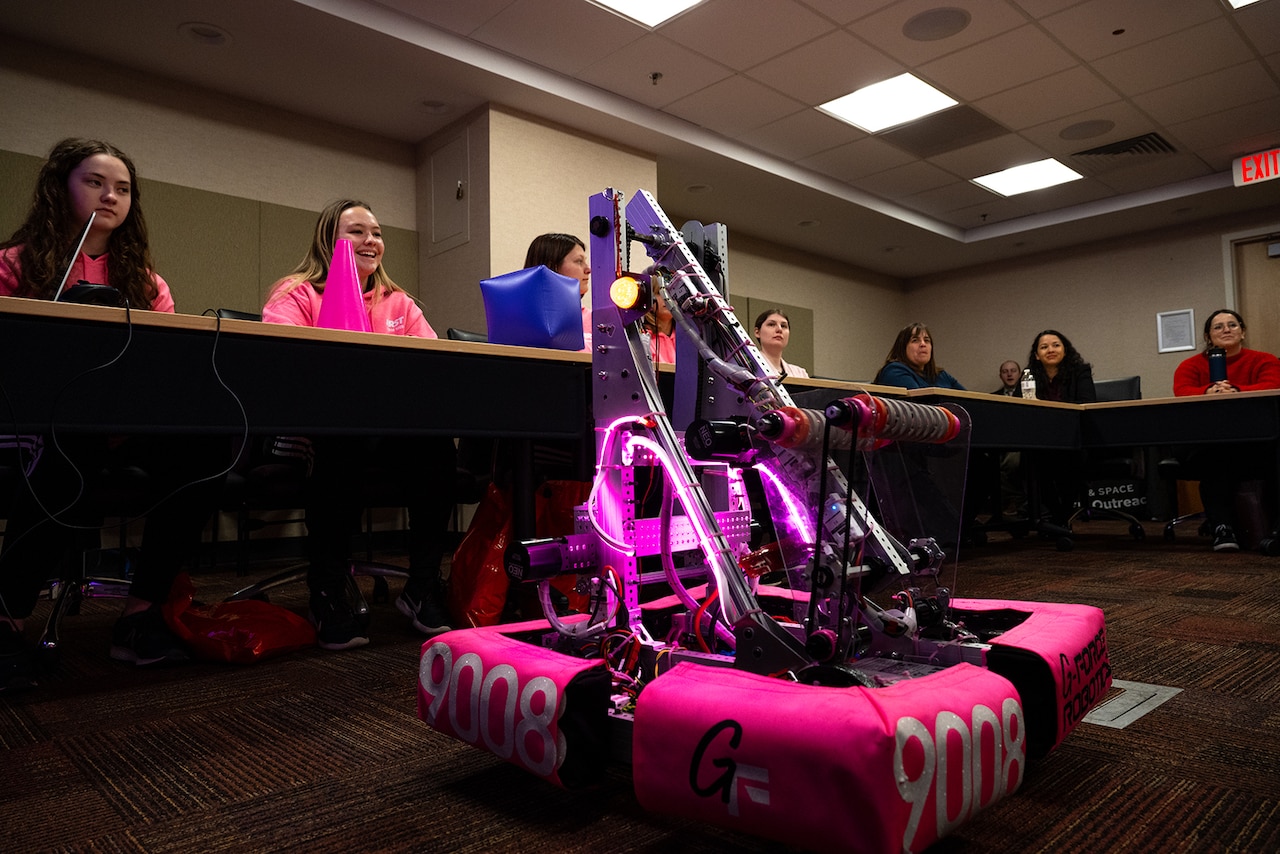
[(1240, 4), (888, 103), (649, 13), (698, 188), (204, 33), (438, 108), (809, 223), (1028, 177)]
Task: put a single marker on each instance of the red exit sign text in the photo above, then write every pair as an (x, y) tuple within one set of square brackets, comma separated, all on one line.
[(1252, 168)]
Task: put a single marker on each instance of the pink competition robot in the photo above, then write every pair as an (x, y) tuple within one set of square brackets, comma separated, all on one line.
[(734, 656)]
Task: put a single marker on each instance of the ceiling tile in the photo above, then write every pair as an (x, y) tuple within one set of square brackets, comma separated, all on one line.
[(1040, 8), (744, 33), (905, 180), (1155, 171), (1103, 27), (1211, 93), (1000, 63), (627, 71), (1065, 93), (1181, 56), (562, 49), (945, 131), (856, 159), (884, 29), (849, 64), (842, 11), (954, 196), (1127, 120), (734, 106), (461, 18), (1221, 158), (1261, 25), (1255, 126), (989, 156), (993, 209), (1066, 195), (1273, 62), (801, 134)]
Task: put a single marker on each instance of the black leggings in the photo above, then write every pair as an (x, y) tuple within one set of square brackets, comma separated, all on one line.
[(185, 474), (418, 472)]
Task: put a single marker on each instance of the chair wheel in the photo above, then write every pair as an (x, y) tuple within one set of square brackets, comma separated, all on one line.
[(1136, 531), (1169, 535), (1065, 544)]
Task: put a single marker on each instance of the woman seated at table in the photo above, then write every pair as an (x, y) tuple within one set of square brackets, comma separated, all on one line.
[(773, 333), (1222, 468), (660, 325), (927, 498), (566, 255), (1061, 374), (83, 177), (426, 465), (1059, 370), (910, 362)]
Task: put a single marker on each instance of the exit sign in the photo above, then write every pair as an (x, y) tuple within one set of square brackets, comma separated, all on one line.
[(1255, 168)]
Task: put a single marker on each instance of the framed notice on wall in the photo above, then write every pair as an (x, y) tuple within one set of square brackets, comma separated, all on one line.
[(1176, 330)]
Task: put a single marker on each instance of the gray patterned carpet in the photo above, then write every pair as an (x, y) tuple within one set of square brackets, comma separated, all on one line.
[(323, 752)]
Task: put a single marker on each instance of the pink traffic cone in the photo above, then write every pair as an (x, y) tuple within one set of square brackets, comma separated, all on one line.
[(343, 304)]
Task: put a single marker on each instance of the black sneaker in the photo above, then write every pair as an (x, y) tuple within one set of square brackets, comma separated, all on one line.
[(144, 638), (1224, 539), (424, 609), (338, 626)]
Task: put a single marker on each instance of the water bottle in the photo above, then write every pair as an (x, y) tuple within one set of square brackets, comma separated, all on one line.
[(1028, 385), (1217, 364)]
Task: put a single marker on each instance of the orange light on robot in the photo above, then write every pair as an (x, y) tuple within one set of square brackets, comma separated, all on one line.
[(625, 292)]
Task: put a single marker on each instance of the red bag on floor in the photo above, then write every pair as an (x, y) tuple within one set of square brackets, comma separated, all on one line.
[(235, 632), (478, 580), (477, 577), (555, 506)]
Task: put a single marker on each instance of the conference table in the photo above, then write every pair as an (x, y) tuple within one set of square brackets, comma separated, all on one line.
[(81, 368), (99, 369), (1002, 423)]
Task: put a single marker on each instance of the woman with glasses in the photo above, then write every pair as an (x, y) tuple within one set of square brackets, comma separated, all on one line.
[(1247, 370), (1221, 468)]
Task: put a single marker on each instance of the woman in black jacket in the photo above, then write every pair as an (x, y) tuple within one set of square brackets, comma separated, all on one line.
[(1061, 374)]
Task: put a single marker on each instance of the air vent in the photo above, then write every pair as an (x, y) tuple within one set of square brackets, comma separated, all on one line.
[(1125, 152), (1148, 143)]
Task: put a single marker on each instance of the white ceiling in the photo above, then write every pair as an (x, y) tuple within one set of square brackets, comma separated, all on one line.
[(733, 110)]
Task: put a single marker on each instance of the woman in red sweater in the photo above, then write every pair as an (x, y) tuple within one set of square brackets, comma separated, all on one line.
[(1221, 468)]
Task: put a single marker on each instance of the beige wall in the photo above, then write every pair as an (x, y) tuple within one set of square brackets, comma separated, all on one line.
[(187, 136), (215, 250), (232, 187), (1103, 296), (856, 312)]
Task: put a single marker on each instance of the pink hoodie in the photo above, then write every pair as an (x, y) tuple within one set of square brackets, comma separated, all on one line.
[(92, 270), (395, 313)]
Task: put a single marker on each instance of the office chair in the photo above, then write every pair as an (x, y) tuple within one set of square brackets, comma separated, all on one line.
[(236, 314), (274, 477), (1111, 465), (1171, 471), (119, 493), (455, 334)]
